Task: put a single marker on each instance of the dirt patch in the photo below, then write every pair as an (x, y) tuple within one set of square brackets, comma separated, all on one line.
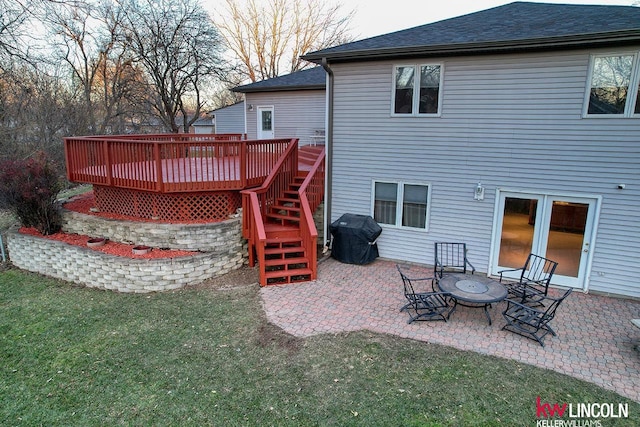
[(270, 334), (240, 278)]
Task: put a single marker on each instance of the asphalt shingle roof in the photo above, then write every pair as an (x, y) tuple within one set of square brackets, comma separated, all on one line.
[(512, 27), (313, 78)]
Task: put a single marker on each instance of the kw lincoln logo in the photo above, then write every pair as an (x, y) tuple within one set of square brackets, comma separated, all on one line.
[(577, 414)]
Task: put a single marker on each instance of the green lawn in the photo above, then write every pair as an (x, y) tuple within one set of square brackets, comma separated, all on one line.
[(74, 356)]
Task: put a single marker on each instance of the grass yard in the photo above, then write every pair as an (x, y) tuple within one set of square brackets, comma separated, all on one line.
[(78, 357)]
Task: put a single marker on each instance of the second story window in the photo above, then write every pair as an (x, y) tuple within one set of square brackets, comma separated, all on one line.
[(417, 90), (613, 86)]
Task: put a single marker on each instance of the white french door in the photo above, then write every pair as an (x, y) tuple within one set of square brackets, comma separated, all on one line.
[(561, 228), (265, 123)]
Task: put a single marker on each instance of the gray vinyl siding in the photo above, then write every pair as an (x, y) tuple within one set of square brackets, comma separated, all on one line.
[(510, 122), (297, 114), (230, 119)]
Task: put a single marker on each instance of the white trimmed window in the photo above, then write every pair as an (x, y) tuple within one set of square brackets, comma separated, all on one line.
[(417, 90), (401, 204), (613, 88)]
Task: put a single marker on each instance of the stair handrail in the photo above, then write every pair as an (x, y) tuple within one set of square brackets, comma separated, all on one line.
[(256, 201), (308, 230), (255, 228), (276, 182)]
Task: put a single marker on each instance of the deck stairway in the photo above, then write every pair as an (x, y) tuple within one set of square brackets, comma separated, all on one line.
[(278, 217)]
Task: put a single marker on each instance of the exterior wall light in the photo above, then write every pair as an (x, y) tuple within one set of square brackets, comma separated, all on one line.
[(479, 193)]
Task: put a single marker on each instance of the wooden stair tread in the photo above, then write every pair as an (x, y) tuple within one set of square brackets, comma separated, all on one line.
[(276, 274), (277, 227), (288, 200), (283, 217), (285, 208), (287, 239), (285, 250), (286, 261)]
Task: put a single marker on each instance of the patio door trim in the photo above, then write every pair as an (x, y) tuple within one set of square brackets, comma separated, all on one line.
[(496, 233)]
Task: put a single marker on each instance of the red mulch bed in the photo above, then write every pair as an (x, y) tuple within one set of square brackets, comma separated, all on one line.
[(113, 248), (84, 202)]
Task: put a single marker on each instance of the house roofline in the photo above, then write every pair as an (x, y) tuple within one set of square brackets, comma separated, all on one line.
[(279, 88), (618, 38)]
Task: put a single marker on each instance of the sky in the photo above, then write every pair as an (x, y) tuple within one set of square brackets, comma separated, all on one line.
[(375, 17)]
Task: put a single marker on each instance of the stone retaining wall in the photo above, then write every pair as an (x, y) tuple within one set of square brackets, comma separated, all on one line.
[(95, 269), (221, 243), (210, 237)]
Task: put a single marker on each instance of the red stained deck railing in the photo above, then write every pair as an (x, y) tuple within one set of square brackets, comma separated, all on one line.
[(171, 163), (311, 194), (276, 183), (255, 204)]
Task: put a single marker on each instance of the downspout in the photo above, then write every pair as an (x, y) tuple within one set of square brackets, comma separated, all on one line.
[(328, 180)]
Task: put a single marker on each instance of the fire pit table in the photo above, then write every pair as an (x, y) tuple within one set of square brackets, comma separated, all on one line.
[(472, 291)]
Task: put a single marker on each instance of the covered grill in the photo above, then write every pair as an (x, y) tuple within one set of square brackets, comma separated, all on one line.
[(354, 239)]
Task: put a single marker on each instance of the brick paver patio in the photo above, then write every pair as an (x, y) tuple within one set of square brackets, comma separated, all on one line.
[(595, 339)]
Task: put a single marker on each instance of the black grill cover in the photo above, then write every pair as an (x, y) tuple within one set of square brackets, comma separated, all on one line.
[(354, 239)]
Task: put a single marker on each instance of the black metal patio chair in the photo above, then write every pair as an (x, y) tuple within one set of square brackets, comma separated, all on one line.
[(533, 284), (451, 257), (423, 305), (531, 322)]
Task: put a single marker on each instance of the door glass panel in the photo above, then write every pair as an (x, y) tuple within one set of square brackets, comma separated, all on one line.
[(266, 121), (566, 236), (518, 226)]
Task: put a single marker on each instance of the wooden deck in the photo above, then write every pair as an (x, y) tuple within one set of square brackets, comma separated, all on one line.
[(172, 177), (203, 177), (189, 164), (183, 174)]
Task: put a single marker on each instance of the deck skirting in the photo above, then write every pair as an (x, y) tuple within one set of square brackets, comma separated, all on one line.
[(188, 206)]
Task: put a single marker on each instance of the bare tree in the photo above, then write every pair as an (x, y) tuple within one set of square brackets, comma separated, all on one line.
[(13, 16), (78, 48), (37, 111), (179, 48), (269, 37), (88, 37)]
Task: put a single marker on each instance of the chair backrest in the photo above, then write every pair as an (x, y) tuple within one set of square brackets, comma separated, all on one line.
[(451, 257), (550, 312), (538, 271), (408, 287)]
